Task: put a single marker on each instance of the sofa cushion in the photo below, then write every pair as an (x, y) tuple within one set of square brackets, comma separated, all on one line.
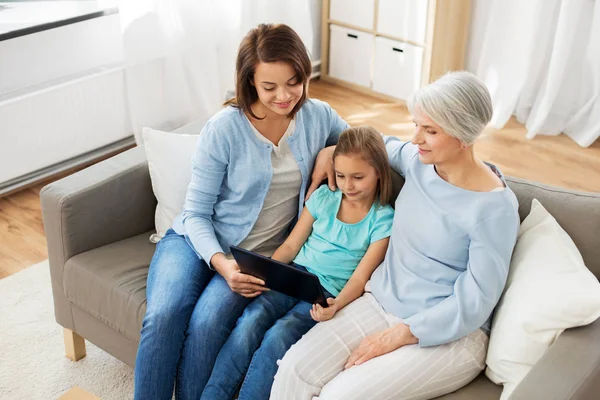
[(548, 290), (578, 213), (480, 389), (170, 164), (109, 282)]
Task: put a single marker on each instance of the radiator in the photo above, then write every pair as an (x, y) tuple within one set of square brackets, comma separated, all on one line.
[(54, 126)]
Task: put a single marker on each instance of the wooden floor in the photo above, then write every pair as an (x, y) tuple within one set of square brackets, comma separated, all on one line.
[(554, 160)]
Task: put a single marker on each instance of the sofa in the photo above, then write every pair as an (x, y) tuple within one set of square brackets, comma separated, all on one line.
[(98, 222)]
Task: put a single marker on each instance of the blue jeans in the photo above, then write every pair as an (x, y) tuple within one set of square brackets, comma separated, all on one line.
[(270, 325), (190, 313)]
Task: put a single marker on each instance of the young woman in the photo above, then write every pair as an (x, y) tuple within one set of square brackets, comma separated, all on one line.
[(250, 172), (341, 237), (421, 329)]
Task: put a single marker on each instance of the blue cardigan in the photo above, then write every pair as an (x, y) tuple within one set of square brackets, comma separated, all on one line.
[(232, 172)]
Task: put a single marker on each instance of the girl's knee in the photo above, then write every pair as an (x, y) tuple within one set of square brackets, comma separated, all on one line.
[(202, 324), (275, 344)]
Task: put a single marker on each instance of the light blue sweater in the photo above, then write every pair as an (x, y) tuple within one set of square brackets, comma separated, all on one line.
[(449, 252), (232, 172)]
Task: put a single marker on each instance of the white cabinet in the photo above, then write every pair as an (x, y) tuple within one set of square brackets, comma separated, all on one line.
[(359, 13), (404, 19), (398, 68), (350, 55), (389, 48)]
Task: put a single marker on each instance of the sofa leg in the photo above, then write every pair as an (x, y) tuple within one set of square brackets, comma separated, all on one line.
[(74, 345)]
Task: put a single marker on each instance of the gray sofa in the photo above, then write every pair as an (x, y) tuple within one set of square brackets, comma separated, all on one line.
[(98, 221)]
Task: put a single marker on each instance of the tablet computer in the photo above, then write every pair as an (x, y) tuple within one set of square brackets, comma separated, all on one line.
[(280, 277)]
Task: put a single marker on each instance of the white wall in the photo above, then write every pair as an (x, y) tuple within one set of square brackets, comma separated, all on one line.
[(44, 56)]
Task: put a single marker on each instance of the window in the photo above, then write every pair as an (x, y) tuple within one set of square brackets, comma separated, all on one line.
[(23, 17)]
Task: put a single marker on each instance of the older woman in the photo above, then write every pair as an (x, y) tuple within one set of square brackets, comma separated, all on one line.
[(421, 329)]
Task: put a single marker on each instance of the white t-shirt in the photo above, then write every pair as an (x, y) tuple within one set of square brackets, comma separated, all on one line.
[(281, 203)]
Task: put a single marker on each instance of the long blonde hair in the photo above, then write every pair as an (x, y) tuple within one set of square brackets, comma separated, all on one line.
[(367, 143)]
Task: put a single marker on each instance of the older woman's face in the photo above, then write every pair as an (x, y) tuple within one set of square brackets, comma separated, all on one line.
[(435, 145)]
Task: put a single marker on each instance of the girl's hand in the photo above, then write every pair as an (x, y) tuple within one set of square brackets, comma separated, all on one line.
[(381, 343), (320, 313), (323, 169), (243, 284)]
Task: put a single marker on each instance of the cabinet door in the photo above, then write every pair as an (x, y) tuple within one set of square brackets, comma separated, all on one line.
[(404, 19), (350, 55), (397, 69), (360, 13)]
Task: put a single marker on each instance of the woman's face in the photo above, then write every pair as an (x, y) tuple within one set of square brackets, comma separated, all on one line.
[(278, 87), (435, 145), (355, 177)]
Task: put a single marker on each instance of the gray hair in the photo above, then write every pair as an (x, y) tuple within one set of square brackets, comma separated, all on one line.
[(458, 102)]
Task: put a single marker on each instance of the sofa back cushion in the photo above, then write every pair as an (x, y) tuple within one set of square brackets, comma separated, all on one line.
[(578, 213)]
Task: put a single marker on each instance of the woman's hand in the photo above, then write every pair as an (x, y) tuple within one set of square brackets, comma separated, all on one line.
[(320, 313), (243, 284), (323, 169), (381, 343)]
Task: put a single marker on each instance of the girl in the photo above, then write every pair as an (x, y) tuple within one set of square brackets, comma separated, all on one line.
[(250, 172), (341, 237)]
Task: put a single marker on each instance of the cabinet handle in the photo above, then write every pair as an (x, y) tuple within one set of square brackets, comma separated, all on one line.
[(352, 36), (398, 50)]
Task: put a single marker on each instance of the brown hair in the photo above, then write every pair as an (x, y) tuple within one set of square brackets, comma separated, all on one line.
[(367, 143), (269, 43)]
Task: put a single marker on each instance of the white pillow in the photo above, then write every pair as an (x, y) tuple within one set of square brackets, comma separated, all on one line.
[(170, 163), (549, 289)]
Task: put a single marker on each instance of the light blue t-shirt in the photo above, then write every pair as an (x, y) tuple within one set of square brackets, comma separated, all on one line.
[(334, 248), (449, 252)]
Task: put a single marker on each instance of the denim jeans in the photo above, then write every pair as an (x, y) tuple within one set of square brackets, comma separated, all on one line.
[(190, 313), (270, 325)]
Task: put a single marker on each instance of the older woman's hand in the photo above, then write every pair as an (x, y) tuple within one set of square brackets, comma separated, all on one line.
[(323, 169), (381, 343)]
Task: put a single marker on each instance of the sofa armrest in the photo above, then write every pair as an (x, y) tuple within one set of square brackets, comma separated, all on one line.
[(570, 369), (102, 204)]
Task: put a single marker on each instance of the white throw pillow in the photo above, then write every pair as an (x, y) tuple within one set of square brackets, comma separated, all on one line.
[(170, 163), (549, 289)]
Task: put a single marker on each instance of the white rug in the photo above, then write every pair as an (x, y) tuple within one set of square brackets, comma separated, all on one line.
[(32, 354)]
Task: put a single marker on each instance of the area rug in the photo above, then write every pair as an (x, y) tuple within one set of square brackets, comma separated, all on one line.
[(32, 358)]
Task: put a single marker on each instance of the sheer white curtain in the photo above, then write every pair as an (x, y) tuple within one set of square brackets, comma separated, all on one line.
[(180, 54), (541, 62)]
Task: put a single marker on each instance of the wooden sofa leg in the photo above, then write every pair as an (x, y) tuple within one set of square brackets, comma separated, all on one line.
[(74, 345)]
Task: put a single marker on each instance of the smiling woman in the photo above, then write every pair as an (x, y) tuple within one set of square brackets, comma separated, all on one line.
[(250, 172), (421, 329)]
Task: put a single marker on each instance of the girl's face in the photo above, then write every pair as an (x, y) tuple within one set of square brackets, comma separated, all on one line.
[(278, 87), (355, 177), (435, 145)]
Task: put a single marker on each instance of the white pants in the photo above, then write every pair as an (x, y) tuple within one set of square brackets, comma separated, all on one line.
[(314, 367)]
